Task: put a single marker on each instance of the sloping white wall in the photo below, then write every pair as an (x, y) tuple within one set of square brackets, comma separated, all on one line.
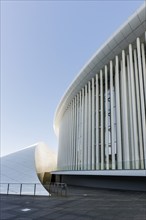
[(25, 166), (19, 167)]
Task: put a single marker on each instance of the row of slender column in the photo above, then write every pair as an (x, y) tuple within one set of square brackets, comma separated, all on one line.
[(104, 127)]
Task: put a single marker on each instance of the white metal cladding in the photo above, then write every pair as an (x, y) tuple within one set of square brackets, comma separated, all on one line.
[(101, 121)]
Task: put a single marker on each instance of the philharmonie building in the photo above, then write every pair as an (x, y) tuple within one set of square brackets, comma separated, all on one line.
[(101, 120)]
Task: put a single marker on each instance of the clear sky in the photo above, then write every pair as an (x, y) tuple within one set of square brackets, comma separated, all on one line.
[(44, 44)]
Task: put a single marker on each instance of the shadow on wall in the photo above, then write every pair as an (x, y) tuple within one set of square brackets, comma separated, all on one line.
[(45, 162)]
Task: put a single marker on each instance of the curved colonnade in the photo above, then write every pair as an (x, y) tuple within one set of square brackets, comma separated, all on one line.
[(101, 120)]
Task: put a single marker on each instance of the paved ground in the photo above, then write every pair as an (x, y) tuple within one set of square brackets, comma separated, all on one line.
[(80, 204)]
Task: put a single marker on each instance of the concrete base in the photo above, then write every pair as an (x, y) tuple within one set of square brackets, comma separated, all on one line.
[(109, 182)]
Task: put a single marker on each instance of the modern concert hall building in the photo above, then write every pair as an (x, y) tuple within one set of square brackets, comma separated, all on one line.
[(101, 120)]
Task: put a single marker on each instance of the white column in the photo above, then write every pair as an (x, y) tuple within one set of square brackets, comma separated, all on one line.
[(138, 110), (60, 147), (143, 111), (86, 134), (118, 114), (93, 126), (83, 124), (77, 151), (80, 130), (134, 120), (130, 116), (97, 123), (70, 153), (67, 142), (144, 79), (64, 158), (125, 115), (75, 147), (106, 120), (69, 139), (71, 136), (102, 123), (89, 126), (144, 69), (112, 115), (72, 127), (75, 131)]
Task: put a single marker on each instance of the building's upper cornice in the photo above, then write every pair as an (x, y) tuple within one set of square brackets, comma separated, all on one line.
[(134, 27)]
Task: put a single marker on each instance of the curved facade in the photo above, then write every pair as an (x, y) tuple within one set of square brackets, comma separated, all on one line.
[(101, 120), (29, 166)]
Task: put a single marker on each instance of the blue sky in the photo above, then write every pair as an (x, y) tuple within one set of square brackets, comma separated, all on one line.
[(44, 44)]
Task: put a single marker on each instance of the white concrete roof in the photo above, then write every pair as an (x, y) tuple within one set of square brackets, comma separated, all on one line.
[(127, 33)]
